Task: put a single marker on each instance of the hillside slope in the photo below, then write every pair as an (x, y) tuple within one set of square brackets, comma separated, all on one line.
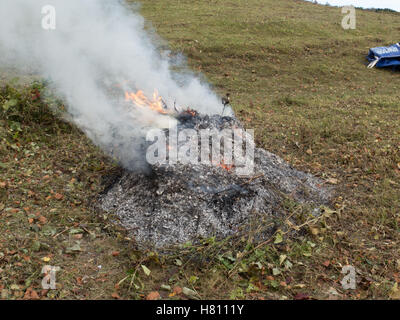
[(300, 81)]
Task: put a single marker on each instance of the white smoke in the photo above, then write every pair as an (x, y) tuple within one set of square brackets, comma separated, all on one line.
[(98, 44)]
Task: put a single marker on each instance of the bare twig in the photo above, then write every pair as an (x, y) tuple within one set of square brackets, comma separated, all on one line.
[(66, 229)]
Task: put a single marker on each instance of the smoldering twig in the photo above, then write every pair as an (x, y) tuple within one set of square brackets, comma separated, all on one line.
[(240, 185)]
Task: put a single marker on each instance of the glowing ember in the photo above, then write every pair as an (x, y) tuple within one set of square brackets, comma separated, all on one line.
[(140, 100), (191, 112), (227, 167)]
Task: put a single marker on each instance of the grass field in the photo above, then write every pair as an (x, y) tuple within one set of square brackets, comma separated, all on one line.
[(299, 80)]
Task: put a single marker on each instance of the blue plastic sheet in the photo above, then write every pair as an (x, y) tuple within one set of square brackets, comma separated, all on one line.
[(382, 57)]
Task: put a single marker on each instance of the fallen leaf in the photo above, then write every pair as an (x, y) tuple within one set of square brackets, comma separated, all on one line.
[(154, 295), (326, 263), (165, 287), (58, 196), (177, 290), (43, 219), (4, 294), (146, 270), (288, 264), (314, 231), (74, 248), (302, 296), (34, 295), (276, 271), (14, 287), (395, 292), (190, 293), (278, 238), (27, 295), (115, 295), (178, 262)]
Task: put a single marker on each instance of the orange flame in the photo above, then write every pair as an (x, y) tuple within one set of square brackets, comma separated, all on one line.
[(227, 167), (140, 99)]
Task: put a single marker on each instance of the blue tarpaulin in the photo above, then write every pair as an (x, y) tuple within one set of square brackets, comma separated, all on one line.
[(381, 57)]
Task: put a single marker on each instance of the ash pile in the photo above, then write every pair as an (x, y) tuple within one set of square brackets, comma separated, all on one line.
[(179, 201)]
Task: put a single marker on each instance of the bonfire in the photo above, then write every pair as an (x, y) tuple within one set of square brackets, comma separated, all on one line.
[(179, 201)]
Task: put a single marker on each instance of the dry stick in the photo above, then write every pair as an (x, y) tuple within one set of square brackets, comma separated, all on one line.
[(223, 110), (242, 184), (252, 179), (85, 229), (66, 229)]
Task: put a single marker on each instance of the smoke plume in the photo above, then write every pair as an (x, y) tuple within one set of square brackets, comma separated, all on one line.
[(98, 50)]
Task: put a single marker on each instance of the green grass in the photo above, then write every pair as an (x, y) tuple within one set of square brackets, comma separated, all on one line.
[(299, 80)]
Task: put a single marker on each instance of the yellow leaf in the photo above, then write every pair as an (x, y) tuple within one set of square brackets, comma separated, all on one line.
[(278, 238), (146, 270), (395, 292), (314, 231)]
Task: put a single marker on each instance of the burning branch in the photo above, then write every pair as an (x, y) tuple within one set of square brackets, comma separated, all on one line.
[(141, 100)]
